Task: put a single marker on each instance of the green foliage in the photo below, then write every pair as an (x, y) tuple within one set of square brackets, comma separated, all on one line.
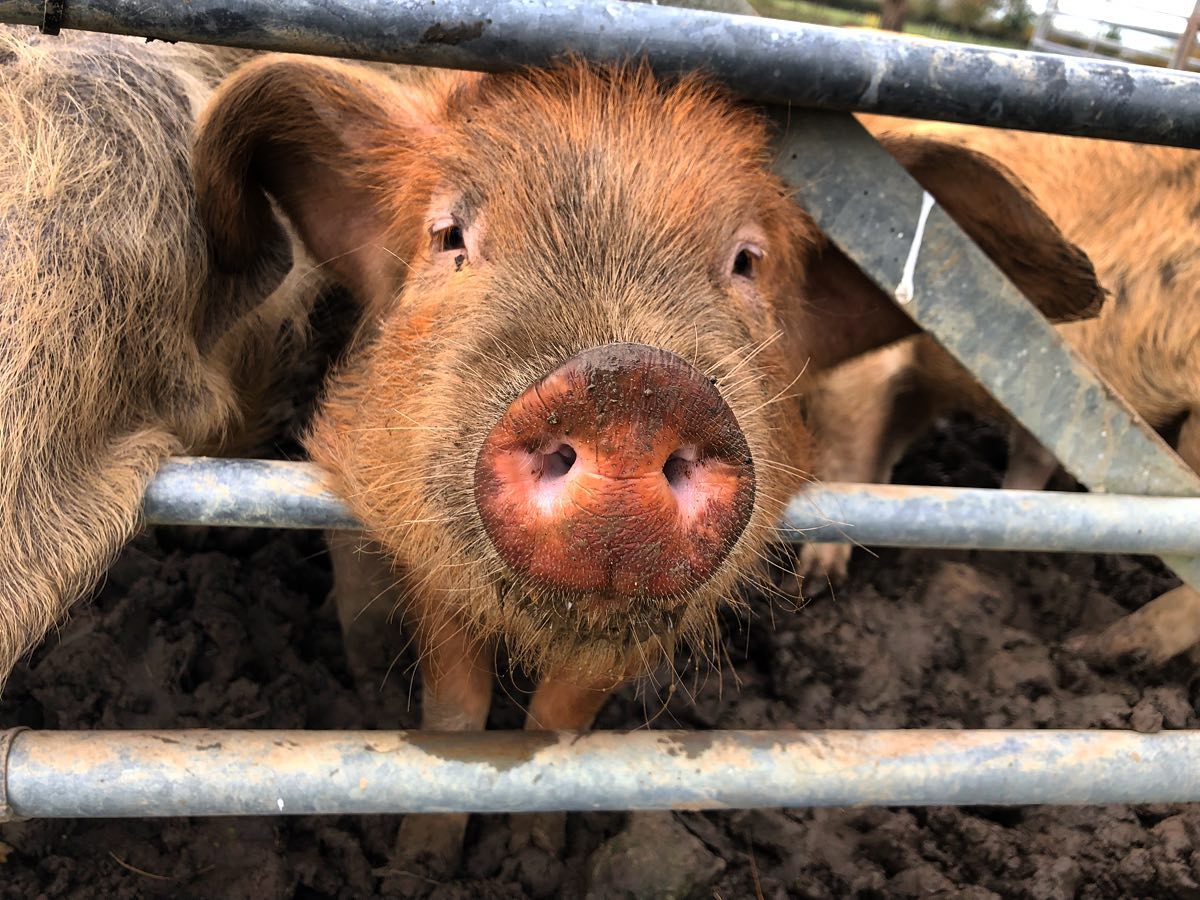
[(965, 14)]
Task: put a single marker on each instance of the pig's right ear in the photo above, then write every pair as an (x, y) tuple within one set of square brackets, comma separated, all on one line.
[(298, 132)]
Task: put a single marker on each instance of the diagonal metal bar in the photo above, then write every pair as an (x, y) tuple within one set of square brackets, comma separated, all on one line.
[(763, 59), (869, 206)]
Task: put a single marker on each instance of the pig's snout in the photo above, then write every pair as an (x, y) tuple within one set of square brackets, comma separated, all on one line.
[(622, 474)]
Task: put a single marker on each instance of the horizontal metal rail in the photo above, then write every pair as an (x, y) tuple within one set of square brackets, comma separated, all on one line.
[(764, 59), (249, 493), (262, 493), (220, 773), (961, 518)]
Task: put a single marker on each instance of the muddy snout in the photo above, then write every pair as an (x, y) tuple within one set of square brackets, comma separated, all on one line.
[(621, 474)]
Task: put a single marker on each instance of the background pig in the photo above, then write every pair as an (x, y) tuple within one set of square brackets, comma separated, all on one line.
[(119, 345), (1144, 342), (572, 414)]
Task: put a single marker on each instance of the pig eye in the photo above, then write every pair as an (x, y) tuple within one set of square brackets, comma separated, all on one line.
[(449, 239), (745, 261)]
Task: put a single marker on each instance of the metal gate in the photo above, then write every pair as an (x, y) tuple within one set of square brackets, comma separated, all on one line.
[(1146, 500)]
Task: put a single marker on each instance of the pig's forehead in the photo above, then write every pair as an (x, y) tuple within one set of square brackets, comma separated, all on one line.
[(608, 173), (613, 134)]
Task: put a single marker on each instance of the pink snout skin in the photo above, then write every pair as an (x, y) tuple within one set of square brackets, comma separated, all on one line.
[(622, 474)]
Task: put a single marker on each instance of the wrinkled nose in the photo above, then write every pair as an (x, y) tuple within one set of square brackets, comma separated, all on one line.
[(622, 473)]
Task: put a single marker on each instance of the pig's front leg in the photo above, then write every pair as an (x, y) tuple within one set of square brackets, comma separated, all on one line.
[(457, 674), (456, 679), (849, 423), (366, 594), (1030, 465), (1170, 623), (560, 703), (863, 414)]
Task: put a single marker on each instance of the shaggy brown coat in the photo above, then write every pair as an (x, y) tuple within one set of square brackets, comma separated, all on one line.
[(119, 344)]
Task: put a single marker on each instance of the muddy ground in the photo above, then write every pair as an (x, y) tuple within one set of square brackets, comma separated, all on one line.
[(232, 629)]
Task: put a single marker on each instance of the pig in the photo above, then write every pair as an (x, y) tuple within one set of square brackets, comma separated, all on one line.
[(119, 343), (1145, 342), (572, 413)]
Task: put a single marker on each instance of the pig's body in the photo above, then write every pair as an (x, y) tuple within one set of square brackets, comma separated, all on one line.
[(119, 345), (1135, 210)]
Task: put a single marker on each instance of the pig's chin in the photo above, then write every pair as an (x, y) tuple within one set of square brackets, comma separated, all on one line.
[(589, 634), (599, 638)]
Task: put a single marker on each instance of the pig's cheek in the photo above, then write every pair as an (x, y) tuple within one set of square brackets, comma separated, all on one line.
[(435, 304), (755, 309)]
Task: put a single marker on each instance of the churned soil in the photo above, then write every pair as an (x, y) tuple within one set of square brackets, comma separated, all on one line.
[(232, 629)]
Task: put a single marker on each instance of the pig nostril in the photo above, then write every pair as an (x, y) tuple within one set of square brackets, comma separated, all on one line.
[(558, 462), (678, 466)]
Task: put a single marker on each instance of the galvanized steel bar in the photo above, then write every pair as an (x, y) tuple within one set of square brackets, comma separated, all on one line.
[(764, 59), (869, 206), (960, 518), (261, 493), (249, 493), (6, 741), (217, 773)]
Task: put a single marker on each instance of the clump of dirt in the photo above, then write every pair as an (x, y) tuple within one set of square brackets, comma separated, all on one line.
[(232, 629)]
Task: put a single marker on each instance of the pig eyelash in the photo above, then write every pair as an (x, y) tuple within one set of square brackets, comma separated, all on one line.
[(449, 239), (745, 261)]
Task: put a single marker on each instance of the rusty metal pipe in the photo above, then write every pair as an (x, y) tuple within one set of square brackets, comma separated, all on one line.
[(262, 493), (210, 773), (764, 59)]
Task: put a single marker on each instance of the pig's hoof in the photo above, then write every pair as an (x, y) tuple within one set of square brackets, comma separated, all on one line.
[(1162, 629), (1114, 648), (822, 567), (536, 846), (1126, 644), (427, 854)]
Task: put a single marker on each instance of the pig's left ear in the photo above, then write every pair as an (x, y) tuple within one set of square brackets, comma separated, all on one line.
[(995, 209), (301, 132)]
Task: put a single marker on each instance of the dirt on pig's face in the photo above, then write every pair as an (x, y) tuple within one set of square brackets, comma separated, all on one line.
[(593, 265)]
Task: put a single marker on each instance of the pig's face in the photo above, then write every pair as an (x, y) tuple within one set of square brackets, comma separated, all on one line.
[(572, 415), (575, 418)]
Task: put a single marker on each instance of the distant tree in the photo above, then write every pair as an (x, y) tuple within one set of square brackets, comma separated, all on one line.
[(892, 14), (924, 11), (967, 15), (1016, 19)]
